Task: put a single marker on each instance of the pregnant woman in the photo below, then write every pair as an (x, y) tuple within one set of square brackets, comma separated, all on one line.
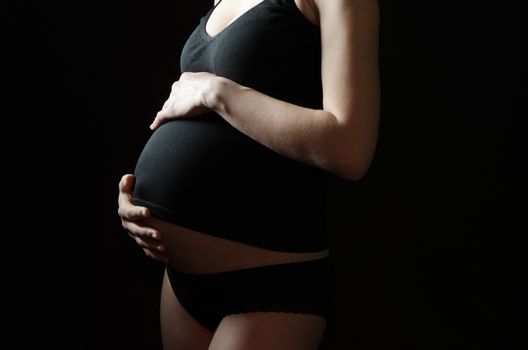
[(229, 191)]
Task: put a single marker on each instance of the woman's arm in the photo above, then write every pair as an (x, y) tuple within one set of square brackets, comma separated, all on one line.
[(341, 137)]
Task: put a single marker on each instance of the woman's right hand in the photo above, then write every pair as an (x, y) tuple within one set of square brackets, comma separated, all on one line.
[(148, 238)]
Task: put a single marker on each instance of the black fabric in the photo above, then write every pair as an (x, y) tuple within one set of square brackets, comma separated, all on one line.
[(301, 287), (204, 174)]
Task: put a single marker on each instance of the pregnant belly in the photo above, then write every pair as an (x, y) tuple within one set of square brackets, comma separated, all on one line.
[(204, 175), (222, 197)]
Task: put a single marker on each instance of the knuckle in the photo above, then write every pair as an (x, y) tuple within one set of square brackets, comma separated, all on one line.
[(125, 212), (128, 214)]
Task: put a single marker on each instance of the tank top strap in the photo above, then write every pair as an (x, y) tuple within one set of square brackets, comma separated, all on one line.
[(216, 4)]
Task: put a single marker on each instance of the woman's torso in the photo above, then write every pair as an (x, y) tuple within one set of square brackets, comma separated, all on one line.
[(203, 175)]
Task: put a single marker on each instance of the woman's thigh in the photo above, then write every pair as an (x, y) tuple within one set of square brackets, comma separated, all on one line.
[(269, 330), (179, 330)]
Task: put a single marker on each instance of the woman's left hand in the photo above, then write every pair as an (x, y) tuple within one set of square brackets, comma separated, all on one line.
[(187, 97)]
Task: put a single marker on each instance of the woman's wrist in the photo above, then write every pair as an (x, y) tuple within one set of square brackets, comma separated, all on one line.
[(213, 97)]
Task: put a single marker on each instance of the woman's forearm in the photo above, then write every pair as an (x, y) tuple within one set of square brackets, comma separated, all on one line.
[(311, 136)]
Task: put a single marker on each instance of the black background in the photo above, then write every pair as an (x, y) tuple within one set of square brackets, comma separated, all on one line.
[(427, 247)]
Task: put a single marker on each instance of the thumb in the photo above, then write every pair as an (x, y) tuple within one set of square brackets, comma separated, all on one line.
[(126, 183)]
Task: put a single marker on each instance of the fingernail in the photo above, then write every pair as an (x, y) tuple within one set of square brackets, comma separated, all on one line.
[(161, 248)]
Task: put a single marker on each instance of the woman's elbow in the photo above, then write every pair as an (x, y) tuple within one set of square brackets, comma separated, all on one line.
[(351, 166), (347, 150), (350, 148), (352, 172)]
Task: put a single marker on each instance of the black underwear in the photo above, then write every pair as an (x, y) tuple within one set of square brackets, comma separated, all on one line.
[(301, 287)]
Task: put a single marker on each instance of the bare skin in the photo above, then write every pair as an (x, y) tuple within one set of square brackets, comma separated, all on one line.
[(340, 138)]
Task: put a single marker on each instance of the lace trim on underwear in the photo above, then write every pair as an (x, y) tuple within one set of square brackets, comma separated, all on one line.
[(292, 308)]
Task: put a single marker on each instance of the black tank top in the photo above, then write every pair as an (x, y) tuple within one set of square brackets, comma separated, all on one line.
[(204, 174)]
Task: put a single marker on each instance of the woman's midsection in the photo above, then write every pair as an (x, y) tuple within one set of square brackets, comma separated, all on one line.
[(196, 252), (205, 175), (211, 178)]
